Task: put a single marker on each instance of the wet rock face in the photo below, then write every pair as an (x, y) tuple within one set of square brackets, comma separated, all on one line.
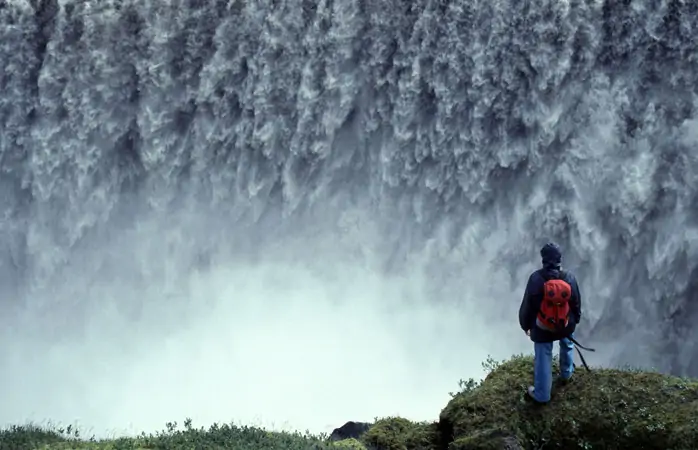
[(350, 430)]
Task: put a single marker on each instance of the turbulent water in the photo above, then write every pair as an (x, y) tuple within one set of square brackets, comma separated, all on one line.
[(312, 211)]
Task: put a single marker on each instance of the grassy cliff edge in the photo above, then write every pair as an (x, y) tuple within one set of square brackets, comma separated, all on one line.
[(602, 409)]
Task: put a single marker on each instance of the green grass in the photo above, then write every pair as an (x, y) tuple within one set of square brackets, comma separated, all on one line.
[(188, 437), (603, 409)]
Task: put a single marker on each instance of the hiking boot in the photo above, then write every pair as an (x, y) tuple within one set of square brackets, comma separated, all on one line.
[(530, 392), (563, 381)]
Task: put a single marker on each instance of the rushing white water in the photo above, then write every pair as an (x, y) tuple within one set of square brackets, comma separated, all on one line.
[(303, 212)]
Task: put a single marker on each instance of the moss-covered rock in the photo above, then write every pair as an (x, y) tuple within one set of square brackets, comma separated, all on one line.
[(396, 433), (349, 444), (605, 408), (495, 439)]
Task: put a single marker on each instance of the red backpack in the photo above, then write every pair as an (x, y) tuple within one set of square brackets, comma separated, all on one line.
[(554, 313)]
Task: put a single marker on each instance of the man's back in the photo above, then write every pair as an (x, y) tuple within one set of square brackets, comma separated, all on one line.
[(533, 297), (555, 309)]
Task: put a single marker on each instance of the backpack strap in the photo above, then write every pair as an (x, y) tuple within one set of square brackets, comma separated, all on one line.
[(577, 345)]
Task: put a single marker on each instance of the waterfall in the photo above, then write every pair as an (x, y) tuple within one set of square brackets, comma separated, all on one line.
[(412, 156)]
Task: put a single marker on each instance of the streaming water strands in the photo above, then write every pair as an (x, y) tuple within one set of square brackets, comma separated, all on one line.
[(492, 123)]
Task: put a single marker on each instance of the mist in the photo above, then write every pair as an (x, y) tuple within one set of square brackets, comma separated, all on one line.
[(307, 334)]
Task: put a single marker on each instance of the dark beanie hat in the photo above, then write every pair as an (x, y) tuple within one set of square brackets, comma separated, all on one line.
[(551, 255)]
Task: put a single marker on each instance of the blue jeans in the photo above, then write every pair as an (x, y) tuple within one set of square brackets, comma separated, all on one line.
[(543, 367)]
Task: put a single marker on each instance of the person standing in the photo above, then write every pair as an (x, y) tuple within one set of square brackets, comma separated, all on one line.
[(550, 311)]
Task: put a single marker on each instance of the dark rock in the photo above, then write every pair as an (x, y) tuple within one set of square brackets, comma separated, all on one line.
[(350, 430)]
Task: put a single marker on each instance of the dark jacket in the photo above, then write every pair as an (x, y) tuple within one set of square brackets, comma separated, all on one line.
[(534, 295)]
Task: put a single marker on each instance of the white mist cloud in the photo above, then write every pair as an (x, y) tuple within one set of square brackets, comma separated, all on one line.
[(302, 345)]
